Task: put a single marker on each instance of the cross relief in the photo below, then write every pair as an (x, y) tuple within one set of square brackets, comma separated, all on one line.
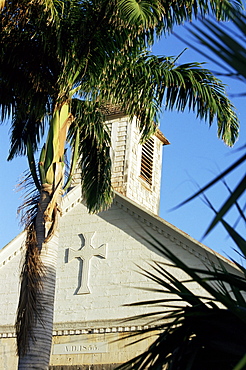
[(84, 256)]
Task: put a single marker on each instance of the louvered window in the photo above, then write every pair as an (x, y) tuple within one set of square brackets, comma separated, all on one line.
[(147, 161)]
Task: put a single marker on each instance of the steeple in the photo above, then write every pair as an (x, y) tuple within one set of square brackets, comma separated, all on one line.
[(136, 168)]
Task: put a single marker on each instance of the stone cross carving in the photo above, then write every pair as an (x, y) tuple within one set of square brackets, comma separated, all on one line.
[(85, 254)]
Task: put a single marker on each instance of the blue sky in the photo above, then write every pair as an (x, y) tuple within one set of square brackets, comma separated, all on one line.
[(194, 157)]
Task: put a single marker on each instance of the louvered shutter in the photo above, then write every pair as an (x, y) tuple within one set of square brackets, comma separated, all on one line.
[(147, 161)]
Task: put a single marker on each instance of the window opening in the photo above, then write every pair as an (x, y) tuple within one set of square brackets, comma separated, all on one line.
[(147, 157)]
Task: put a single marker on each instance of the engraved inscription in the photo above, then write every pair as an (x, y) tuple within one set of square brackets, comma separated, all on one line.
[(84, 255), (73, 348)]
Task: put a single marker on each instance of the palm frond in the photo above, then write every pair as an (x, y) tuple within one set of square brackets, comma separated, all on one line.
[(163, 15), (144, 13), (27, 211), (227, 44), (200, 332), (141, 85), (234, 194), (239, 240), (94, 154)]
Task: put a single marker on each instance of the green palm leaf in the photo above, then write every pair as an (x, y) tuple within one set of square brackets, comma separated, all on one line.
[(227, 44), (165, 14), (236, 194), (152, 81), (94, 153), (233, 198)]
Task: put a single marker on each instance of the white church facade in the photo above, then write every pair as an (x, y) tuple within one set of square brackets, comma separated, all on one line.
[(98, 262)]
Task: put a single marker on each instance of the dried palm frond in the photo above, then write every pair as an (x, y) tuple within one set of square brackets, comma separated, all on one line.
[(28, 209)]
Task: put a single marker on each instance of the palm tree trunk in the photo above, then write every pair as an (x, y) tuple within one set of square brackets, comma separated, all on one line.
[(37, 354)]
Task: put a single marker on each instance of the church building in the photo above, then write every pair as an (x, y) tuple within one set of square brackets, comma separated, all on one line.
[(100, 259)]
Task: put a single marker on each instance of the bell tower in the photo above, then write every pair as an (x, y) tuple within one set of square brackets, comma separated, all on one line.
[(136, 168)]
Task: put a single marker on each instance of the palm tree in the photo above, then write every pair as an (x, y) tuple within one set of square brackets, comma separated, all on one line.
[(61, 64)]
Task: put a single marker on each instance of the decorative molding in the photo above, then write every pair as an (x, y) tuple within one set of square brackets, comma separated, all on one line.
[(63, 330), (10, 334), (161, 137), (12, 249), (113, 329)]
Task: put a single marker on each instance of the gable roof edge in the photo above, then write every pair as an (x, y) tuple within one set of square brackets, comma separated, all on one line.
[(158, 224)]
